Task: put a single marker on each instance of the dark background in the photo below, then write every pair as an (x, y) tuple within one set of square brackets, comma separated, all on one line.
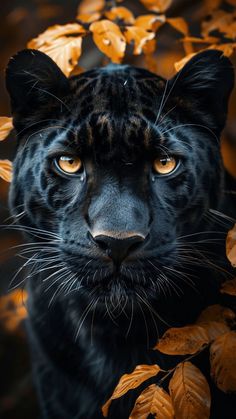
[(20, 22)]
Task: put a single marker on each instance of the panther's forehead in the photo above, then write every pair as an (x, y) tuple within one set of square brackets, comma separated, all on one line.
[(119, 90), (116, 108)]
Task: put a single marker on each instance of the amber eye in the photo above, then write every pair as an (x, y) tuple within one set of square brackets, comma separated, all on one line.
[(164, 165), (69, 164)]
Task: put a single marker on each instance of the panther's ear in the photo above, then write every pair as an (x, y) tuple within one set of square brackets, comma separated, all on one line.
[(34, 81), (207, 80)]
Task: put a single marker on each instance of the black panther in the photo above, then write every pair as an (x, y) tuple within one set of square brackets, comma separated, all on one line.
[(120, 190)]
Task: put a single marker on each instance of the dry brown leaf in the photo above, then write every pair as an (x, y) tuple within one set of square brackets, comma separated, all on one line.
[(216, 313), (179, 24), (232, 2), (109, 39), (53, 32), (130, 381), (88, 17), (12, 309), (153, 400), (214, 329), (183, 340), (190, 392), (139, 37), (223, 361), (5, 127), (6, 170), (231, 246), (212, 5), (121, 13), (91, 6), (159, 6), (229, 287), (150, 22)]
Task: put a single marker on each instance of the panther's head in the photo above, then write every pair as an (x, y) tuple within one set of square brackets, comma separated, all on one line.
[(115, 168)]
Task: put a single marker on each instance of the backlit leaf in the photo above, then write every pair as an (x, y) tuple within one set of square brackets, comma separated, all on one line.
[(139, 37), (6, 170), (53, 32), (150, 22), (231, 246), (221, 21), (12, 309), (130, 381), (181, 63), (91, 6), (65, 51), (229, 287), (223, 361), (153, 400), (190, 392), (120, 13), (159, 6), (183, 340), (179, 24), (88, 17), (109, 39), (5, 127)]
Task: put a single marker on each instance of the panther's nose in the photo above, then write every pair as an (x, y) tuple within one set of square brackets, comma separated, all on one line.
[(118, 248)]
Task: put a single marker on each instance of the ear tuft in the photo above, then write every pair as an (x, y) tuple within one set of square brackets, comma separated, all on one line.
[(33, 80)]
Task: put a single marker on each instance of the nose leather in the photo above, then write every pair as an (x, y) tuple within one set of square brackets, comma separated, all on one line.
[(118, 248)]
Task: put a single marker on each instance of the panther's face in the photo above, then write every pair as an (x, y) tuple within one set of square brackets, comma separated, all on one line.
[(115, 169)]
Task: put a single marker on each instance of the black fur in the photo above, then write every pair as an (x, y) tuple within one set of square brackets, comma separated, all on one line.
[(89, 320)]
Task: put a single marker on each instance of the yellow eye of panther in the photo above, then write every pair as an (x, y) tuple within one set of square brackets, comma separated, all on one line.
[(69, 164), (164, 165)]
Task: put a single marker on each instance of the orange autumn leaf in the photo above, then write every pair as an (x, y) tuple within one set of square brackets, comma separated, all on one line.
[(153, 400), (109, 39), (212, 5), (91, 6), (231, 246), (223, 362), (229, 287), (139, 37), (158, 6), (12, 309), (179, 24), (6, 170), (65, 51), (227, 49), (221, 21), (130, 381), (196, 40), (214, 329), (181, 63), (62, 43), (150, 22), (53, 32), (88, 17), (216, 313), (120, 13), (5, 127), (190, 392), (183, 340)]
